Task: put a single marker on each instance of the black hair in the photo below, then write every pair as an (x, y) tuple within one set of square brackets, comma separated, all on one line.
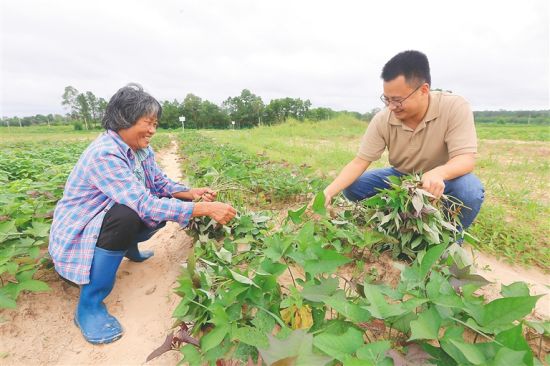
[(127, 105), (413, 65)]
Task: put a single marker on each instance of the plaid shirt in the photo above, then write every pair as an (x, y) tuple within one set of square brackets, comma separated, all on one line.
[(103, 176)]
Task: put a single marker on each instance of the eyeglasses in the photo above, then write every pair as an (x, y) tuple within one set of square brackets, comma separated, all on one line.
[(397, 103)]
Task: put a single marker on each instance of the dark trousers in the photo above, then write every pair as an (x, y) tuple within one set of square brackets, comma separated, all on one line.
[(122, 228)]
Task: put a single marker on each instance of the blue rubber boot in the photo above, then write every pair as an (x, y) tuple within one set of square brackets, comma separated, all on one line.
[(135, 255), (92, 317)]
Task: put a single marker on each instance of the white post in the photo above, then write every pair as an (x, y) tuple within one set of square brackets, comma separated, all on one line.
[(182, 120), (233, 124)]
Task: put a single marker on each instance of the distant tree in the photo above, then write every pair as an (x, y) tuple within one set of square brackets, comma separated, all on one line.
[(246, 109), (320, 114), (191, 110), (69, 100), (171, 111), (278, 110), (83, 109), (212, 116)]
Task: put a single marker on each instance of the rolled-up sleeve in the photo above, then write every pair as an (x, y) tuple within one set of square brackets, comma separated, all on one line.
[(372, 144), (461, 132)]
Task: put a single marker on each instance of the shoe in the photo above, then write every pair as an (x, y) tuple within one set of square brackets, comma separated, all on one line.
[(93, 319)]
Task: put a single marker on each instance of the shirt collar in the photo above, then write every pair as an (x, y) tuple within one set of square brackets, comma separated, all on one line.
[(431, 114), (140, 154)]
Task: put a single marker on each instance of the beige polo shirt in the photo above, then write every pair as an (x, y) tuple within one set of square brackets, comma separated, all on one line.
[(446, 131)]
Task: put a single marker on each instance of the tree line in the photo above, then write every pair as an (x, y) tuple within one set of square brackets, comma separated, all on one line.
[(85, 110)]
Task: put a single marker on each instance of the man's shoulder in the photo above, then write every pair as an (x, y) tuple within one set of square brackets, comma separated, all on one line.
[(449, 100), (382, 117)]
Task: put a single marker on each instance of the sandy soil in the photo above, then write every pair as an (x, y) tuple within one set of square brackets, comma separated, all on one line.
[(501, 273), (41, 330)]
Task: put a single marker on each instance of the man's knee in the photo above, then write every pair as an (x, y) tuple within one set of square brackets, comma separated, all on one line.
[(348, 193), (469, 190)]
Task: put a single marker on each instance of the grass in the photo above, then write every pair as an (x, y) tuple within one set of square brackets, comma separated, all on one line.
[(513, 132), (65, 134), (512, 164)]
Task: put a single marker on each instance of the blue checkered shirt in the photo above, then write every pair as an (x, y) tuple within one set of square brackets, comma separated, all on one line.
[(104, 175)]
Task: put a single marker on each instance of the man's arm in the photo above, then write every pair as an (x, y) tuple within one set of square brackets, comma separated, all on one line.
[(433, 180), (347, 176)]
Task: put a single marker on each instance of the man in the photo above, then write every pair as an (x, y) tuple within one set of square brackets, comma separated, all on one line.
[(425, 132)]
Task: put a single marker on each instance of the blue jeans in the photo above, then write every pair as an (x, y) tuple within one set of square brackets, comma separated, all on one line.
[(467, 188)]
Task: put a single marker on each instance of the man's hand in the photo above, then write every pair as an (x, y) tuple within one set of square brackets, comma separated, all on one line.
[(221, 212), (205, 193), (433, 182), (328, 197)]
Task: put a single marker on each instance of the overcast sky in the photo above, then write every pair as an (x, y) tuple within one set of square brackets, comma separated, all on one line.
[(495, 53)]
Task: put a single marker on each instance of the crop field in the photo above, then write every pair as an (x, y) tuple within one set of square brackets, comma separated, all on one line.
[(289, 282)]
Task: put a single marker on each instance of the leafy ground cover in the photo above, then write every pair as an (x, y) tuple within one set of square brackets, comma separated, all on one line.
[(237, 304), (32, 178), (513, 222)]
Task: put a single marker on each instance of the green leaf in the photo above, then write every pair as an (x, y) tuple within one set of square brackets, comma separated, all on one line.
[(505, 356), (214, 337), (319, 204), (296, 216), (513, 339), (470, 351), (426, 326), (242, 279), (251, 336), (327, 262), (7, 302), (297, 347), (224, 254), (339, 346), (263, 321), (375, 352), (350, 310), (181, 310), (33, 285), (379, 307), (319, 292), (505, 310), (191, 355), (430, 258), (516, 289)]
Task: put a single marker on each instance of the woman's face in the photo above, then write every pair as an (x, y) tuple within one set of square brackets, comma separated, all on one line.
[(139, 135)]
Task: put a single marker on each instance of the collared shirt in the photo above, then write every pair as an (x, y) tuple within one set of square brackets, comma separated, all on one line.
[(141, 155), (447, 130), (103, 176)]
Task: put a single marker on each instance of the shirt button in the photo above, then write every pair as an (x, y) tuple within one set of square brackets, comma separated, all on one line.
[(105, 210), (95, 236)]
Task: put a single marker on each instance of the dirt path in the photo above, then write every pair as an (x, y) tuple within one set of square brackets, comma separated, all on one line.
[(499, 273), (41, 330)]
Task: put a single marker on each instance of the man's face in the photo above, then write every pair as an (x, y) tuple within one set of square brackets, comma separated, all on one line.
[(139, 135), (405, 100)]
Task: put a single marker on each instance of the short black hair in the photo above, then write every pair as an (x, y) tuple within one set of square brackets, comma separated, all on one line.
[(129, 104), (413, 65)]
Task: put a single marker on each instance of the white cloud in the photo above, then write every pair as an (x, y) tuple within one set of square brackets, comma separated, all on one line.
[(494, 53)]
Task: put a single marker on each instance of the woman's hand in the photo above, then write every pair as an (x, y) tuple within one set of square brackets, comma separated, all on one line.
[(221, 212), (204, 193)]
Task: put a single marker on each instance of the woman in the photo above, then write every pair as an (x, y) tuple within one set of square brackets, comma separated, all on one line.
[(115, 197)]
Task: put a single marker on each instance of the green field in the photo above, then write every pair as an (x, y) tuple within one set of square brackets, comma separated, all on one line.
[(512, 163)]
